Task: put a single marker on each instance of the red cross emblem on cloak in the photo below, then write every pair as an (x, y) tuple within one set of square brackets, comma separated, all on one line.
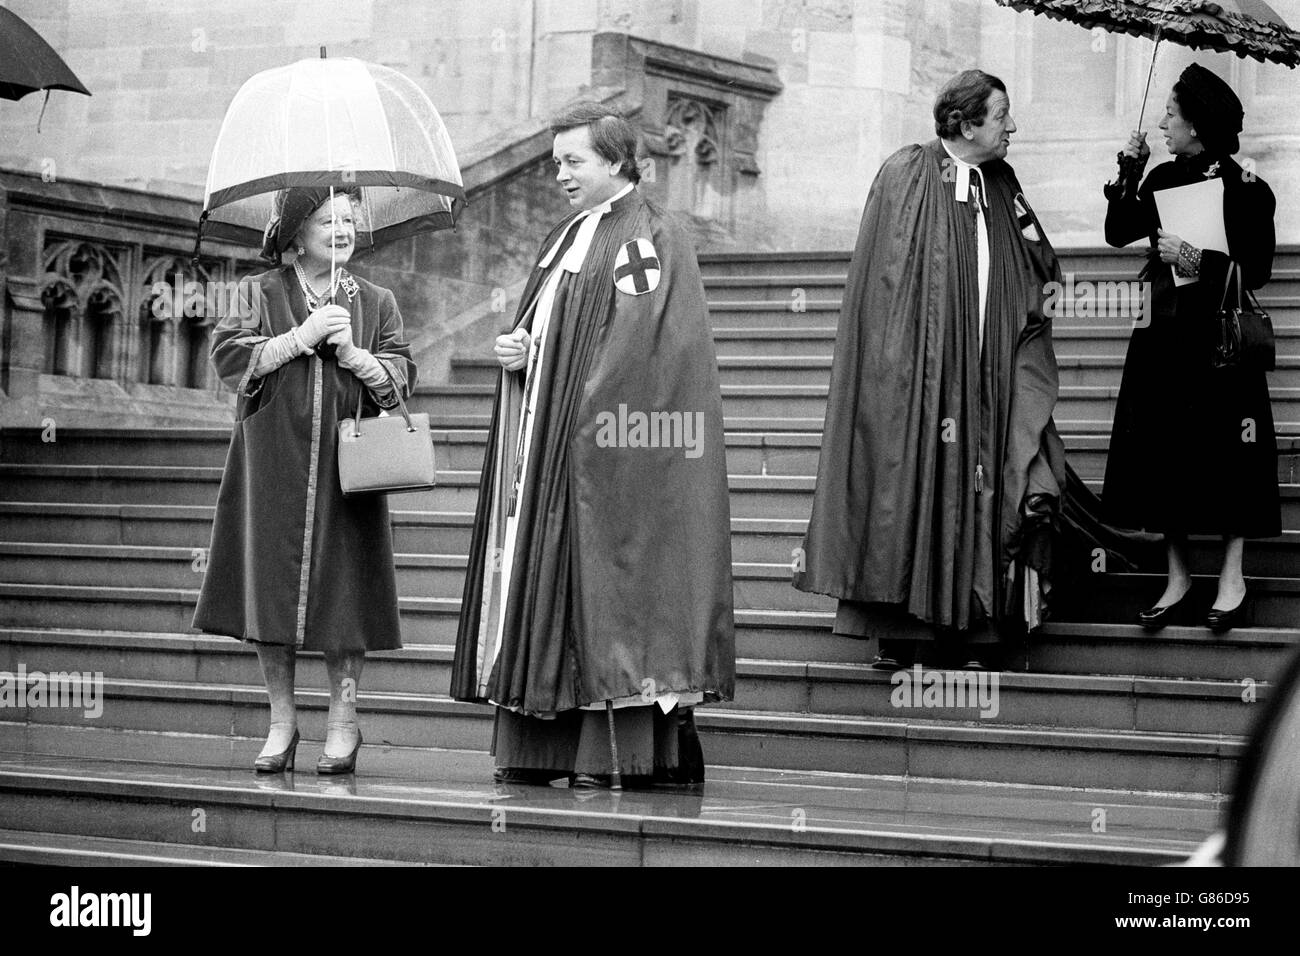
[(636, 268)]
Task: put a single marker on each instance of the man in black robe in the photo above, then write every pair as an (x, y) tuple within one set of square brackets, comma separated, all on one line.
[(597, 608), (941, 469)]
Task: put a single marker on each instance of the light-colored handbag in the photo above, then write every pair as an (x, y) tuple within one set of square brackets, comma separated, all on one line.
[(386, 454)]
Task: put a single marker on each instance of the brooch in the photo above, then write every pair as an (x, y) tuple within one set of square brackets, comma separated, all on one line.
[(1214, 168), (349, 285)]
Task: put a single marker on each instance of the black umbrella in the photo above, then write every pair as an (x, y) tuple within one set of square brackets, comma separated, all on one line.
[(1248, 28), (28, 63)]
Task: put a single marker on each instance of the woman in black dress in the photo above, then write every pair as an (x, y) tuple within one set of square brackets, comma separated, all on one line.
[(1192, 448)]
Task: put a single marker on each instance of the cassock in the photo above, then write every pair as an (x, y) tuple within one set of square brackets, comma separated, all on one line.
[(941, 472), (600, 561)]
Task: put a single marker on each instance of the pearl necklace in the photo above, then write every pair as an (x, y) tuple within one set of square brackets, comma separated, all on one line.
[(313, 298)]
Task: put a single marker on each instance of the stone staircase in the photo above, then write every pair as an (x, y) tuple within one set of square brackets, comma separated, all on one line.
[(1110, 746)]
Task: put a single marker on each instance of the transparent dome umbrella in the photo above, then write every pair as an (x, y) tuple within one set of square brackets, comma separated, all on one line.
[(337, 122)]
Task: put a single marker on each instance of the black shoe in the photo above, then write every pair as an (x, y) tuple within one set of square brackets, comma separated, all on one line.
[(336, 765), (1154, 618), (886, 662), (974, 664), (590, 781), (278, 763), (1221, 621), (525, 775), (689, 772)]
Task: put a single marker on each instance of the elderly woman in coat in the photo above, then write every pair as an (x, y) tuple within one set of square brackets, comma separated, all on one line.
[(1193, 449), (294, 565)]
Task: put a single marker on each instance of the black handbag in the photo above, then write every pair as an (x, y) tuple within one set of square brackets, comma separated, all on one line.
[(1244, 336)]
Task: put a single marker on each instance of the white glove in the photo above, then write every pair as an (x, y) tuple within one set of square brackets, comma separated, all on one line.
[(323, 323)]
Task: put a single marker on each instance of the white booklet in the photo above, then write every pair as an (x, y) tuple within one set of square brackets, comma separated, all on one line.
[(1194, 214)]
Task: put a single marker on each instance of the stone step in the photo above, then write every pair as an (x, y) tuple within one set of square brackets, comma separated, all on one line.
[(434, 806), (1058, 647), (190, 526), (806, 314), (752, 496), (748, 452), (1189, 653), (790, 287), (809, 401), (1103, 260), (716, 264), (457, 490), (206, 659), (35, 848), (1078, 259), (908, 745), (424, 620), (1112, 598), (1083, 370), (774, 541), (732, 423), (773, 625), (1117, 598), (776, 342), (1089, 702), (744, 401), (205, 447)]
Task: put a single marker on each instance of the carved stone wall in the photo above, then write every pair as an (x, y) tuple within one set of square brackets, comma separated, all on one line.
[(700, 116), (101, 324), (106, 320)]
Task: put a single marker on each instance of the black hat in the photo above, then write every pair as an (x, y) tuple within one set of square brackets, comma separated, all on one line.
[(292, 207), (1210, 105)]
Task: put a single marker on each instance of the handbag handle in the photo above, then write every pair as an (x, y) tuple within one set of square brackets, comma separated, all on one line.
[(1227, 284), (356, 420)]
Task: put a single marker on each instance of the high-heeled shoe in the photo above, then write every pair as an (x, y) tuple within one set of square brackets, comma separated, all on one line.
[(278, 763), (1154, 618), (348, 764), (1220, 622)]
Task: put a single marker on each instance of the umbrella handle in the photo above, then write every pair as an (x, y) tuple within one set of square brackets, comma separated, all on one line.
[(1130, 168), (198, 236), (333, 251)]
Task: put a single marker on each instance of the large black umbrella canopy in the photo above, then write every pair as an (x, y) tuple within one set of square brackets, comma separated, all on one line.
[(1249, 28), (28, 63)]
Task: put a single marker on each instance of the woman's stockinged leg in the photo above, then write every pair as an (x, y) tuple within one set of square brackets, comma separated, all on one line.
[(279, 662), (342, 729), (1232, 583), (1179, 579)]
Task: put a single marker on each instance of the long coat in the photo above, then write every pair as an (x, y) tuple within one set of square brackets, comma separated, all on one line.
[(940, 461), (292, 561), (1192, 447), (620, 573)]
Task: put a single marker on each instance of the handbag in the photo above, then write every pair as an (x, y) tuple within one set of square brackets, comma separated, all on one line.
[(386, 454), (1244, 336)]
